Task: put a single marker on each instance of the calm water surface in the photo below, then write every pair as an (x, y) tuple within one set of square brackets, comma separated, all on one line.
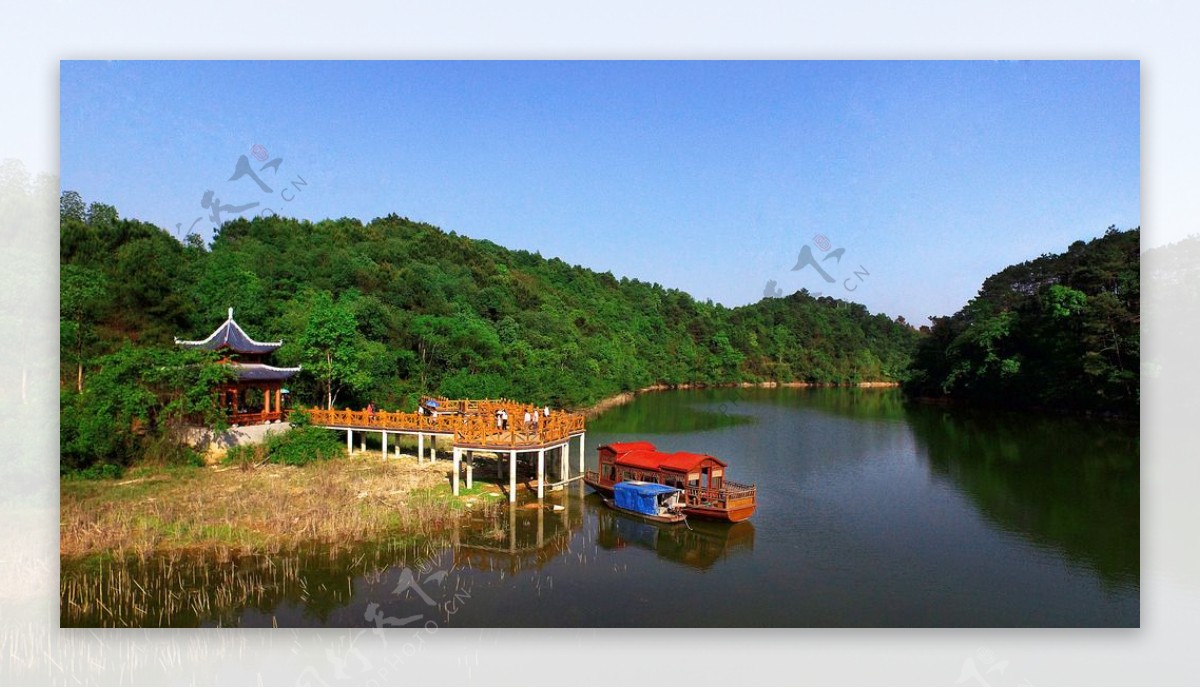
[(872, 512)]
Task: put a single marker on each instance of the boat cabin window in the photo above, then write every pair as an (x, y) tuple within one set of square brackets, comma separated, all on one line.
[(611, 470), (626, 475)]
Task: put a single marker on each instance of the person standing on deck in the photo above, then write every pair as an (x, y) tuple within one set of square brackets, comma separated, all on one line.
[(528, 420)]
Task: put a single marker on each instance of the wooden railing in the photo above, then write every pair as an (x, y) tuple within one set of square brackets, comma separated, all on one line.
[(254, 417), (472, 422), (730, 494)]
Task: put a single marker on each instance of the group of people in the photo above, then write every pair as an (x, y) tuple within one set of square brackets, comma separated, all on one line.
[(532, 418)]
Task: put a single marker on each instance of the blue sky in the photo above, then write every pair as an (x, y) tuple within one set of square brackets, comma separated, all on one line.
[(709, 177)]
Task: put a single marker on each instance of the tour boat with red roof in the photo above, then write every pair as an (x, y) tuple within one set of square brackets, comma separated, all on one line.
[(707, 492)]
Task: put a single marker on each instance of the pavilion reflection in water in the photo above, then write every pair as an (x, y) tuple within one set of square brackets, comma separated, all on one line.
[(530, 535), (527, 535)]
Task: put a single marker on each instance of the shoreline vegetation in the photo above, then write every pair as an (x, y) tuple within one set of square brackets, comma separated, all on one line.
[(229, 511), (626, 397)]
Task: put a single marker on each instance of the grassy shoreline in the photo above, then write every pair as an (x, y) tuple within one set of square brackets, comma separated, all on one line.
[(232, 512)]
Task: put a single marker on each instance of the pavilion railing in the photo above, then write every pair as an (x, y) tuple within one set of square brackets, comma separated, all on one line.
[(471, 422)]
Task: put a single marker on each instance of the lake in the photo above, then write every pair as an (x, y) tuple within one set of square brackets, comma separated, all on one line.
[(872, 512)]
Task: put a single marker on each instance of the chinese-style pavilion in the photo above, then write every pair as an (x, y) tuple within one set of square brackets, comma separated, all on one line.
[(256, 396)]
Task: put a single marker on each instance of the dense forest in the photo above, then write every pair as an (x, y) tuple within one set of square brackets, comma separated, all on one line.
[(1060, 332), (403, 308)]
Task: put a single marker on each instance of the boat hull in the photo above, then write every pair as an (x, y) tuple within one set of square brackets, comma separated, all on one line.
[(603, 489), (666, 520), (717, 514)]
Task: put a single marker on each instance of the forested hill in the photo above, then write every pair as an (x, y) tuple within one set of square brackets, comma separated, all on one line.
[(411, 309), (1059, 332)]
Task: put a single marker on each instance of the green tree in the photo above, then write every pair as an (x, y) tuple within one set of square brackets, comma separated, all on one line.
[(333, 349), (81, 293), (140, 401)]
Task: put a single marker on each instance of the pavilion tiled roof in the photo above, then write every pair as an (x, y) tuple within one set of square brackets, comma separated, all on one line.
[(259, 372), (231, 336)]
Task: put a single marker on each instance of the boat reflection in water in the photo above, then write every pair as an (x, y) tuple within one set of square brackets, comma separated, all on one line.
[(700, 545)]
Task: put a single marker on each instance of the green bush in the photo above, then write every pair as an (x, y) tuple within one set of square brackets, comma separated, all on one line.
[(96, 471), (299, 418), (303, 445)]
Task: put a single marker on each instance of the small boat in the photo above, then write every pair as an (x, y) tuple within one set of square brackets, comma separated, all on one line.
[(653, 502), (706, 491)]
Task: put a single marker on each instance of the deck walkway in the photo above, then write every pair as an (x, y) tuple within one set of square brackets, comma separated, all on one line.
[(471, 425)]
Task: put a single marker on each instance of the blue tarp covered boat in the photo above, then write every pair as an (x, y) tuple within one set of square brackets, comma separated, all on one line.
[(651, 501)]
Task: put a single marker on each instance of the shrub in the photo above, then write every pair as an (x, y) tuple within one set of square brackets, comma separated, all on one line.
[(303, 445)]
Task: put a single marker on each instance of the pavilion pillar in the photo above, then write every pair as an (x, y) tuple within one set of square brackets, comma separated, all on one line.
[(541, 473), (512, 476), (279, 402), (420, 447), (384, 436), (457, 457), (266, 402)]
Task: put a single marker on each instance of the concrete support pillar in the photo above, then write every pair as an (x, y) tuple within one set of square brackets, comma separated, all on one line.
[(541, 473), (470, 470), (397, 446), (349, 441), (454, 480), (512, 476), (420, 447), (433, 449), (562, 461), (362, 441), (541, 528), (582, 443), (512, 523), (384, 436)]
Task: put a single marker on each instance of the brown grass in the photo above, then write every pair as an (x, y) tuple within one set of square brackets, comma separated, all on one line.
[(233, 512)]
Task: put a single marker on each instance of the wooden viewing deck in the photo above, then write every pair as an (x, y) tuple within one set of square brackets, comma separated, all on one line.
[(471, 426)]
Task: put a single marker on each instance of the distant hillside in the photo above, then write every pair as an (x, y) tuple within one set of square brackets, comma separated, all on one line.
[(1057, 332), (435, 312)]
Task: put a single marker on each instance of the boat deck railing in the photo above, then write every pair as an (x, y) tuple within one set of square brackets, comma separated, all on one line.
[(730, 494)]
